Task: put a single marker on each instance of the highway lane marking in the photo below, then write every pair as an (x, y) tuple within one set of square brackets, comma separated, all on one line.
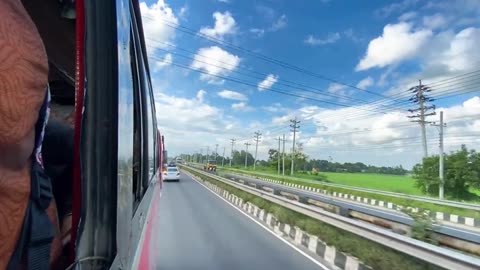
[(266, 228)]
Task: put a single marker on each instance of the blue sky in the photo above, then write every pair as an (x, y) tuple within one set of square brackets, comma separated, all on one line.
[(383, 47)]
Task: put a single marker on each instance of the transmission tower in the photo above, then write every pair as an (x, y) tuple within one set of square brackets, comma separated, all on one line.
[(421, 99)]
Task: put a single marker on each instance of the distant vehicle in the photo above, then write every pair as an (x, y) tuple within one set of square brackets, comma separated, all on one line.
[(172, 174), (210, 166), (179, 160)]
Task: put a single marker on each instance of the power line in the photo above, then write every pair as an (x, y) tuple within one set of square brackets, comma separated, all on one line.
[(239, 81), (284, 82), (461, 76), (190, 31)]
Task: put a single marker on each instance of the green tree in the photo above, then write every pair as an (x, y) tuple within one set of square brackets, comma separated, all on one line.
[(461, 171), (239, 158)]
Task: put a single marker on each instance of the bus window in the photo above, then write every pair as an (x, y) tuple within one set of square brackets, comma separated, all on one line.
[(148, 110), (139, 148), (152, 130)]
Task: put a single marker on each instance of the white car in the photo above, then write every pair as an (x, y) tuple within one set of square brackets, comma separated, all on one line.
[(171, 174)]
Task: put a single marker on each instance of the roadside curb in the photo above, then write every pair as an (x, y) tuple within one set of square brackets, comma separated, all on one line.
[(299, 238)]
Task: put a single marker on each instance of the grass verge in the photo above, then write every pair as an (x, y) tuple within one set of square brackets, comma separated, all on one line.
[(400, 201), (371, 253)]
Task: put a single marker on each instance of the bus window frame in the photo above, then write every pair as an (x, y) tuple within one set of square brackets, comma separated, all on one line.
[(148, 110), (139, 101), (132, 238), (97, 228)]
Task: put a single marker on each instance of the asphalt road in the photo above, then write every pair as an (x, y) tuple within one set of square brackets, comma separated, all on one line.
[(198, 230)]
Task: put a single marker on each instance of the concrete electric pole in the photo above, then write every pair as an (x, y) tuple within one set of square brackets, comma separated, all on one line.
[(283, 156), (256, 138), (246, 153), (294, 127), (421, 99), (231, 152), (216, 152), (441, 186), (223, 156), (278, 154)]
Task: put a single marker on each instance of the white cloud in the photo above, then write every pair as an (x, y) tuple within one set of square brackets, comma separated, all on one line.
[(215, 62), (224, 25), (188, 123), (258, 32), (407, 16), (276, 107), (331, 38), (336, 88), (397, 43), (242, 107), (277, 25), (280, 23), (183, 12), (463, 53), (201, 95), (365, 83), (191, 114), (351, 134), (269, 81), (448, 54), (165, 62), (395, 8), (227, 94), (157, 33), (435, 21)]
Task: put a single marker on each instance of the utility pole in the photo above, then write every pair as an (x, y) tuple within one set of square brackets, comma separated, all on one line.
[(216, 152), (208, 149), (295, 126), (201, 156), (257, 138), (278, 154), (283, 155), (441, 190), (223, 156), (231, 154), (246, 153), (419, 97)]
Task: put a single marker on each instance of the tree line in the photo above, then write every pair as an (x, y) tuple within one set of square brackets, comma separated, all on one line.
[(303, 163)]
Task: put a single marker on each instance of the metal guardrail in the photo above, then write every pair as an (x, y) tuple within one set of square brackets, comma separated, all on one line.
[(385, 214), (464, 205), (433, 254)]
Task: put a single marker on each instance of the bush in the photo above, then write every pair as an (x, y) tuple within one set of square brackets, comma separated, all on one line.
[(461, 171)]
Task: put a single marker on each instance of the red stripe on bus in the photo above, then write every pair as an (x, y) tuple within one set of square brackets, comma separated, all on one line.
[(145, 262)]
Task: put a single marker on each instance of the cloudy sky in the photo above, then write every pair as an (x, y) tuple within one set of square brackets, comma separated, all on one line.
[(224, 69)]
